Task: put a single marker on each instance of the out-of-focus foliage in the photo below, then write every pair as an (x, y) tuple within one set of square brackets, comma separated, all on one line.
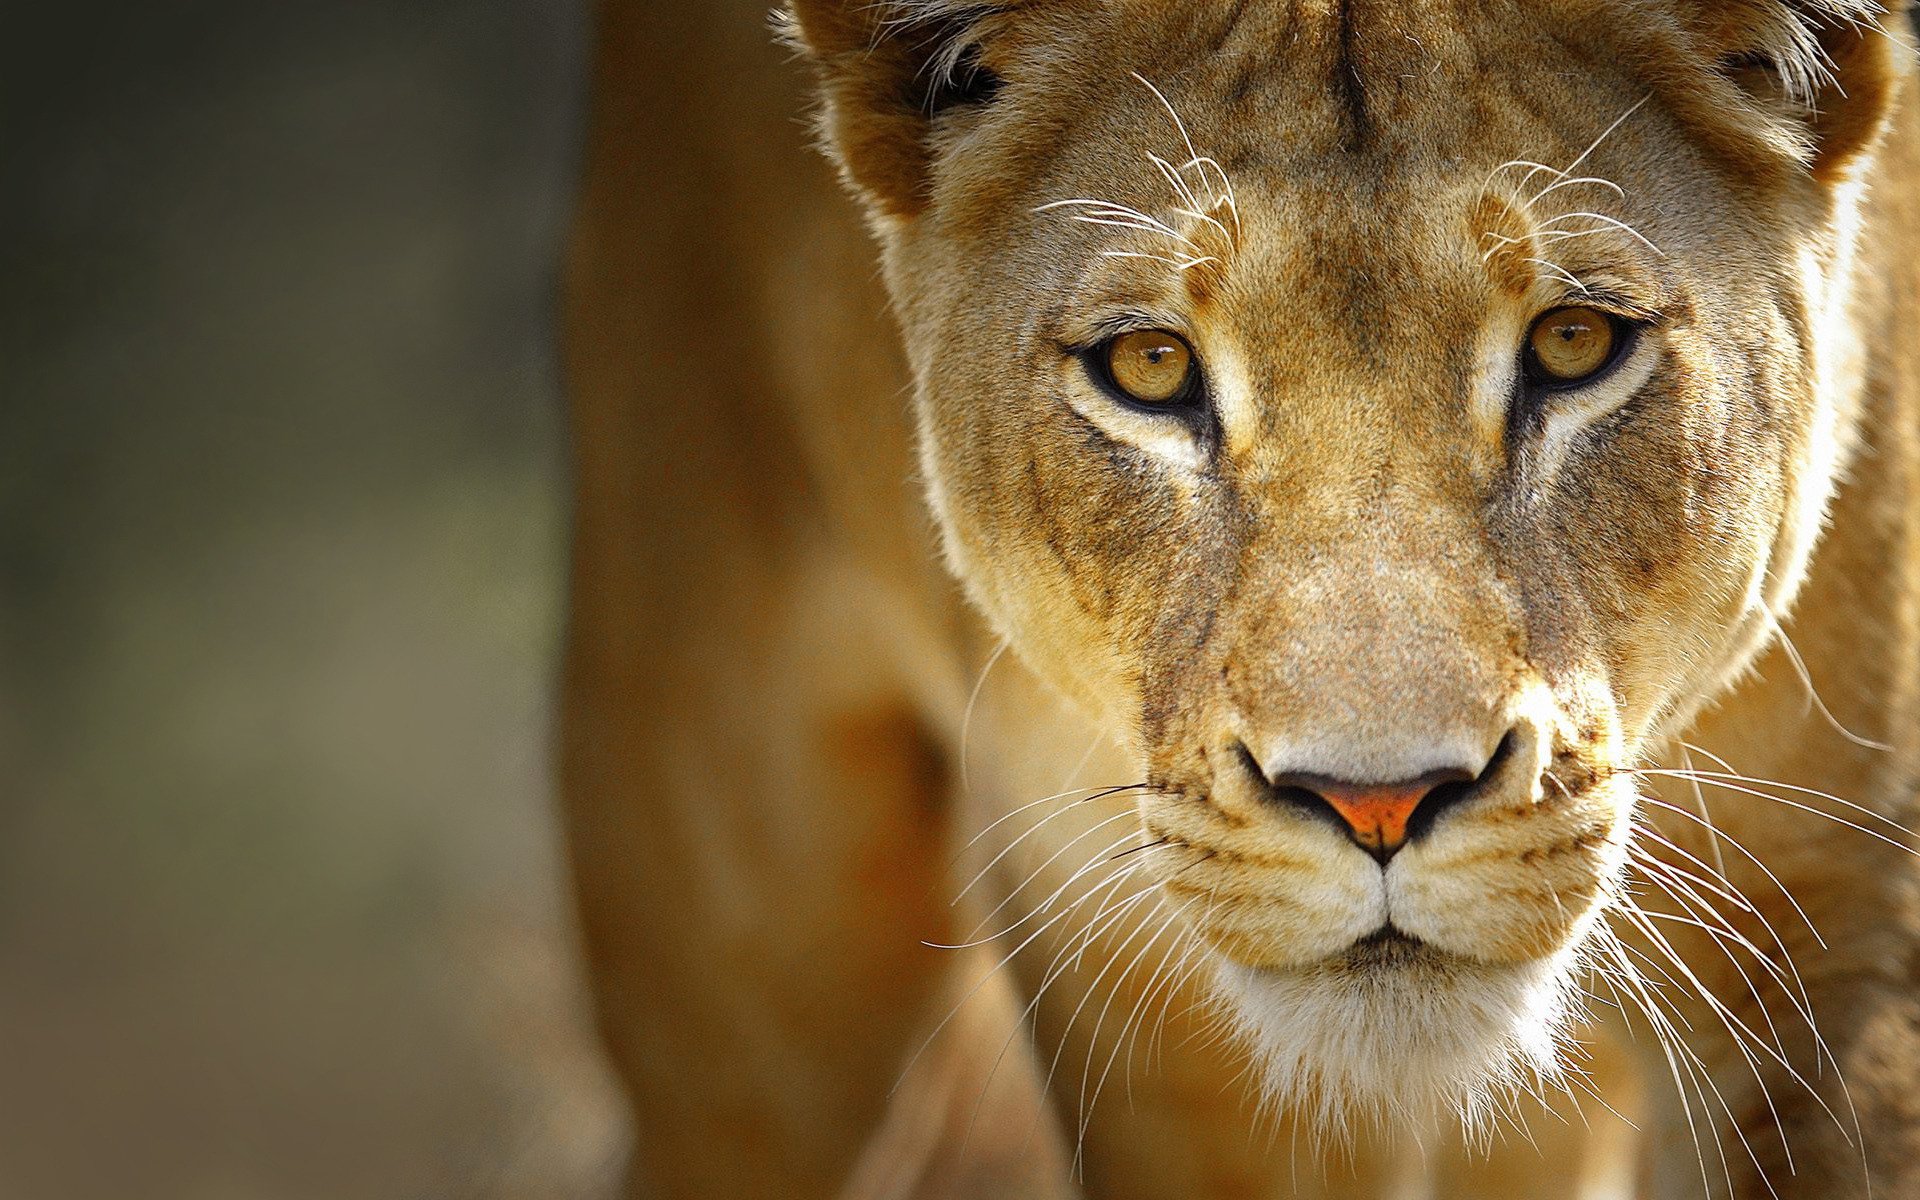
[(281, 550)]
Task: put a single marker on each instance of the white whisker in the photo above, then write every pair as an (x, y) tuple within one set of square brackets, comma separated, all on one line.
[(1603, 219), (1559, 272), (1577, 181), (1813, 693), (1604, 135), (1710, 780), (973, 936), (1747, 854), (966, 719)]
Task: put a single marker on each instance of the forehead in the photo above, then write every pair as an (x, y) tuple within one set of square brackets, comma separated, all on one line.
[(1361, 138), (1365, 92)]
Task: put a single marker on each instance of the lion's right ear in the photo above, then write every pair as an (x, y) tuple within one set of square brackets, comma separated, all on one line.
[(888, 69)]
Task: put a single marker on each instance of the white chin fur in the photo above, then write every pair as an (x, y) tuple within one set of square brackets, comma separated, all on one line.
[(1419, 1044)]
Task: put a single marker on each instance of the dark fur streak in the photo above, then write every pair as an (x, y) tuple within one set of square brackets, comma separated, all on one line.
[(1050, 531), (1226, 30), (1347, 82)]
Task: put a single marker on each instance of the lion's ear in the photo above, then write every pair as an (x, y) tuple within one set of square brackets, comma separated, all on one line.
[(1824, 73), (888, 69)]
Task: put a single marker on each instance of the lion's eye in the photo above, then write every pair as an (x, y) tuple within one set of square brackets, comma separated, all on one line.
[(1572, 345), (1149, 366)]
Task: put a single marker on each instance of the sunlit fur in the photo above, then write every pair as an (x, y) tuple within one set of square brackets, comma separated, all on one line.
[(1660, 630), (1368, 567), (1464, 1041)]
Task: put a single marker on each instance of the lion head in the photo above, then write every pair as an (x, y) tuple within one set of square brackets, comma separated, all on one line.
[(1391, 419)]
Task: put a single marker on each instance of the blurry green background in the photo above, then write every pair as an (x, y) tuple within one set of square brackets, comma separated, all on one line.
[(282, 534)]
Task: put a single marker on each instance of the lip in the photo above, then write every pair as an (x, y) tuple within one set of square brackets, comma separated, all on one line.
[(1388, 946)]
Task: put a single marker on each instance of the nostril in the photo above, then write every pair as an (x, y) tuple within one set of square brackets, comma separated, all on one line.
[(1452, 793), (1380, 817)]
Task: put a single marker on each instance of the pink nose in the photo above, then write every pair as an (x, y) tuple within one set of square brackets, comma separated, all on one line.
[(1377, 817)]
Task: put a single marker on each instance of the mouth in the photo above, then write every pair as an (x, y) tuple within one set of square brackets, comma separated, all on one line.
[(1387, 948)]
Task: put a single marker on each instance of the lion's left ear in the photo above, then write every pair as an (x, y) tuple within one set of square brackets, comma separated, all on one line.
[(888, 69), (1824, 73)]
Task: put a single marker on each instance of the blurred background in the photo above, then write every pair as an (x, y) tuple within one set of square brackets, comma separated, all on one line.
[(282, 532)]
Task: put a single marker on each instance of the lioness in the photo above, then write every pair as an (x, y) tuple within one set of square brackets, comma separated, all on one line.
[(1434, 489)]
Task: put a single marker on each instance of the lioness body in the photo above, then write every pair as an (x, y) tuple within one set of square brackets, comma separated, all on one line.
[(783, 723)]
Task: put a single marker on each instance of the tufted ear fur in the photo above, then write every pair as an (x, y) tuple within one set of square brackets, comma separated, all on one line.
[(888, 70), (1821, 75)]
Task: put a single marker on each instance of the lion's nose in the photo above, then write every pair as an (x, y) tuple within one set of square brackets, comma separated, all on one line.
[(1379, 817)]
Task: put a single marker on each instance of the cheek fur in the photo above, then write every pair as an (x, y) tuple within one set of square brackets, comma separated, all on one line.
[(1660, 522), (1138, 555)]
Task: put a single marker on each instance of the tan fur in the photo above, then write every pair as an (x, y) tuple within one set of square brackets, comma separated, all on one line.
[(1369, 559)]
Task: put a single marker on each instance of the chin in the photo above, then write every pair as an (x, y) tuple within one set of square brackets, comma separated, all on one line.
[(1395, 1034)]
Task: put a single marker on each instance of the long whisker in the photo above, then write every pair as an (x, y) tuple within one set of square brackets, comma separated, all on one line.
[(1178, 264), (1723, 936), (1611, 222), (1740, 776), (1559, 272), (1733, 1123), (1748, 854), (974, 991), (1711, 781), (1092, 988), (1597, 142), (1700, 802), (1625, 974), (1112, 960), (974, 936), (1813, 693), (1096, 793), (1797, 988), (1577, 181), (1118, 909), (1727, 1016), (1533, 169), (966, 718), (1656, 1008), (1192, 960), (1846, 1090), (1053, 971), (1069, 955), (1119, 216), (1178, 181), (1194, 157), (1088, 1104)]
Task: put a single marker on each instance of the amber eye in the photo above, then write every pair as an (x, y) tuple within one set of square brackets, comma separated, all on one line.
[(1571, 345), (1149, 366)]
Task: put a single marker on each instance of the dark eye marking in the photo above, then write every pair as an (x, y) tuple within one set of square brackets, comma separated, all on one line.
[(967, 83)]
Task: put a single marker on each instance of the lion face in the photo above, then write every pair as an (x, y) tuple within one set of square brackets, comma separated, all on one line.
[(1387, 427)]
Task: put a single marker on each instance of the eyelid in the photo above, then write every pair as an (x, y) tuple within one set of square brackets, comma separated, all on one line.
[(1610, 302), (1104, 329)]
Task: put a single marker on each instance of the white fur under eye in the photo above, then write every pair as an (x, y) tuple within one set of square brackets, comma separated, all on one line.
[(1570, 413), (1166, 436)]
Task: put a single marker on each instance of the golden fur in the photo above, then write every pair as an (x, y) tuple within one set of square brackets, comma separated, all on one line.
[(1663, 629)]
